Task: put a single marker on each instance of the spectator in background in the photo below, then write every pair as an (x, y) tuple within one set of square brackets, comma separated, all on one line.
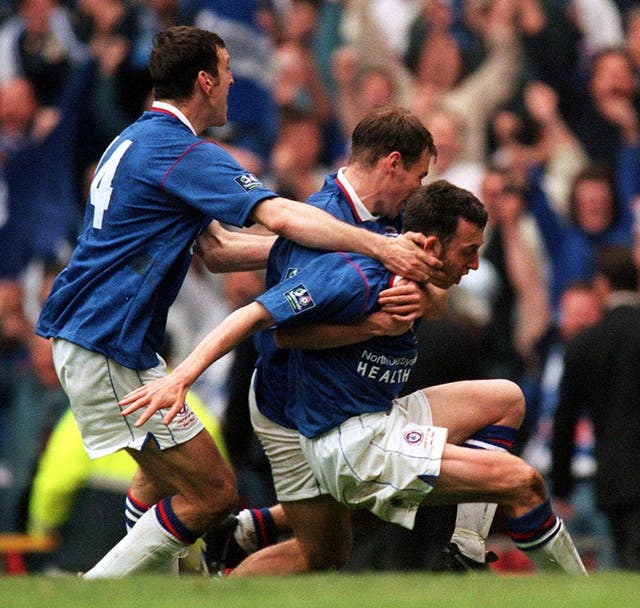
[(520, 310), (580, 307), (251, 128), (632, 38), (608, 117), (597, 217), (441, 79), (296, 161), (602, 377), (32, 402), (449, 134), (38, 181), (39, 44), (554, 146)]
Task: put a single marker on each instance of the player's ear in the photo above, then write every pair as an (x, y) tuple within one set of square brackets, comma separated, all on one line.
[(205, 80), (432, 245), (393, 161)]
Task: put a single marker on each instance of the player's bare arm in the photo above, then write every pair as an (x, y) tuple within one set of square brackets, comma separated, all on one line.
[(314, 228), (169, 392), (400, 306), (225, 250), (410, 298), (319, 336)]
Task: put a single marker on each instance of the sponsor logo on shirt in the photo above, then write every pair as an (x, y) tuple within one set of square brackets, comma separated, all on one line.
[(385, 369), (299, 299), (248, 182), (291, 272)]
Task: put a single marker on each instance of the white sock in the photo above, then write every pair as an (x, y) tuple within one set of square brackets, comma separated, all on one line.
[(147, 546), (559, 553), (245, 532), (473, 520), (473, 523), (133, 511)]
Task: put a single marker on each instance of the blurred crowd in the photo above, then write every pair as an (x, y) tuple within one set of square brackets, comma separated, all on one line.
[(534, 106)]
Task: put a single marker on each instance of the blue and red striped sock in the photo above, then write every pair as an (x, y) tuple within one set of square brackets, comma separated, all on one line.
[(170, 522), (265, 527), (492, 437), (134, 509), (535, 528)]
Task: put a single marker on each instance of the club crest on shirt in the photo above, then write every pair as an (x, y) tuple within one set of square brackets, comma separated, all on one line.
[(299, 299), (248, 182)]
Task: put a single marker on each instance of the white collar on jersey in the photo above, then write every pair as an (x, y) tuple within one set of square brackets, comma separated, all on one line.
[(363, 213), (167, 107)]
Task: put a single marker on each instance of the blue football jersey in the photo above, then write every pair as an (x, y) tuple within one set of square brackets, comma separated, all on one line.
[(156, 187), (273, 390), (329, 386)]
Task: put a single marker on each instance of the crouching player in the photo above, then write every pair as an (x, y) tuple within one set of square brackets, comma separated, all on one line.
[(366, 447)]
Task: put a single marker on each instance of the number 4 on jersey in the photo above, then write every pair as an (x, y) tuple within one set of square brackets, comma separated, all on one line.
[(101, 185)]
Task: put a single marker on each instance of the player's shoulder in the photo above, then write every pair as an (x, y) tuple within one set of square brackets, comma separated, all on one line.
[(348, 263)]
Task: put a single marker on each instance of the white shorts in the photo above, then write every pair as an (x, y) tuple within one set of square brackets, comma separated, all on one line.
[(293, 478), (94, 384), (384, 462)]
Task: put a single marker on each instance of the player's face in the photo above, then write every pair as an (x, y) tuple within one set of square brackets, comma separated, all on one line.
[(220, 92), (461, 254), (401, 184)]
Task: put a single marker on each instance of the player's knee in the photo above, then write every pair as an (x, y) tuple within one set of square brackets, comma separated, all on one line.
[(220, 498), (514, 405), (532, 487)]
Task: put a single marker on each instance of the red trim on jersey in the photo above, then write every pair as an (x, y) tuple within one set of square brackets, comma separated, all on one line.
[(364, 278), (177, 160), (163, 111), (342, 187)]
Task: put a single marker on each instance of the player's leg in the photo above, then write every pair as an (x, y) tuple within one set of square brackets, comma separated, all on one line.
[(469, 406), (487, 476), (303, 504), (483, 414), (321, 540), (180, 458), (203, 492), (141, 496), (229, 543), (143, 493)]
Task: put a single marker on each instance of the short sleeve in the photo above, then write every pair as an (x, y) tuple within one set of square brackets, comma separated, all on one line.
[(334, 288)]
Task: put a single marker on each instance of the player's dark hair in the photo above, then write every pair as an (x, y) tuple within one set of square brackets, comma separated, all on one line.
[(390, 129), (178, 54), (435, 210)]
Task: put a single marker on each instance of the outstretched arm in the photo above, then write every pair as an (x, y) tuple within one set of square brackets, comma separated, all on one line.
[(170, 391), (333, 335), (233, 251), (400, 306), (317, 229)]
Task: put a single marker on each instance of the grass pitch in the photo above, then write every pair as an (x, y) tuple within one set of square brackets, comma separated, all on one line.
[(371, 590)]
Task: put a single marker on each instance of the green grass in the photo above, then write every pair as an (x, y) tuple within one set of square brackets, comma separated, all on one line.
[(606, 590)]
